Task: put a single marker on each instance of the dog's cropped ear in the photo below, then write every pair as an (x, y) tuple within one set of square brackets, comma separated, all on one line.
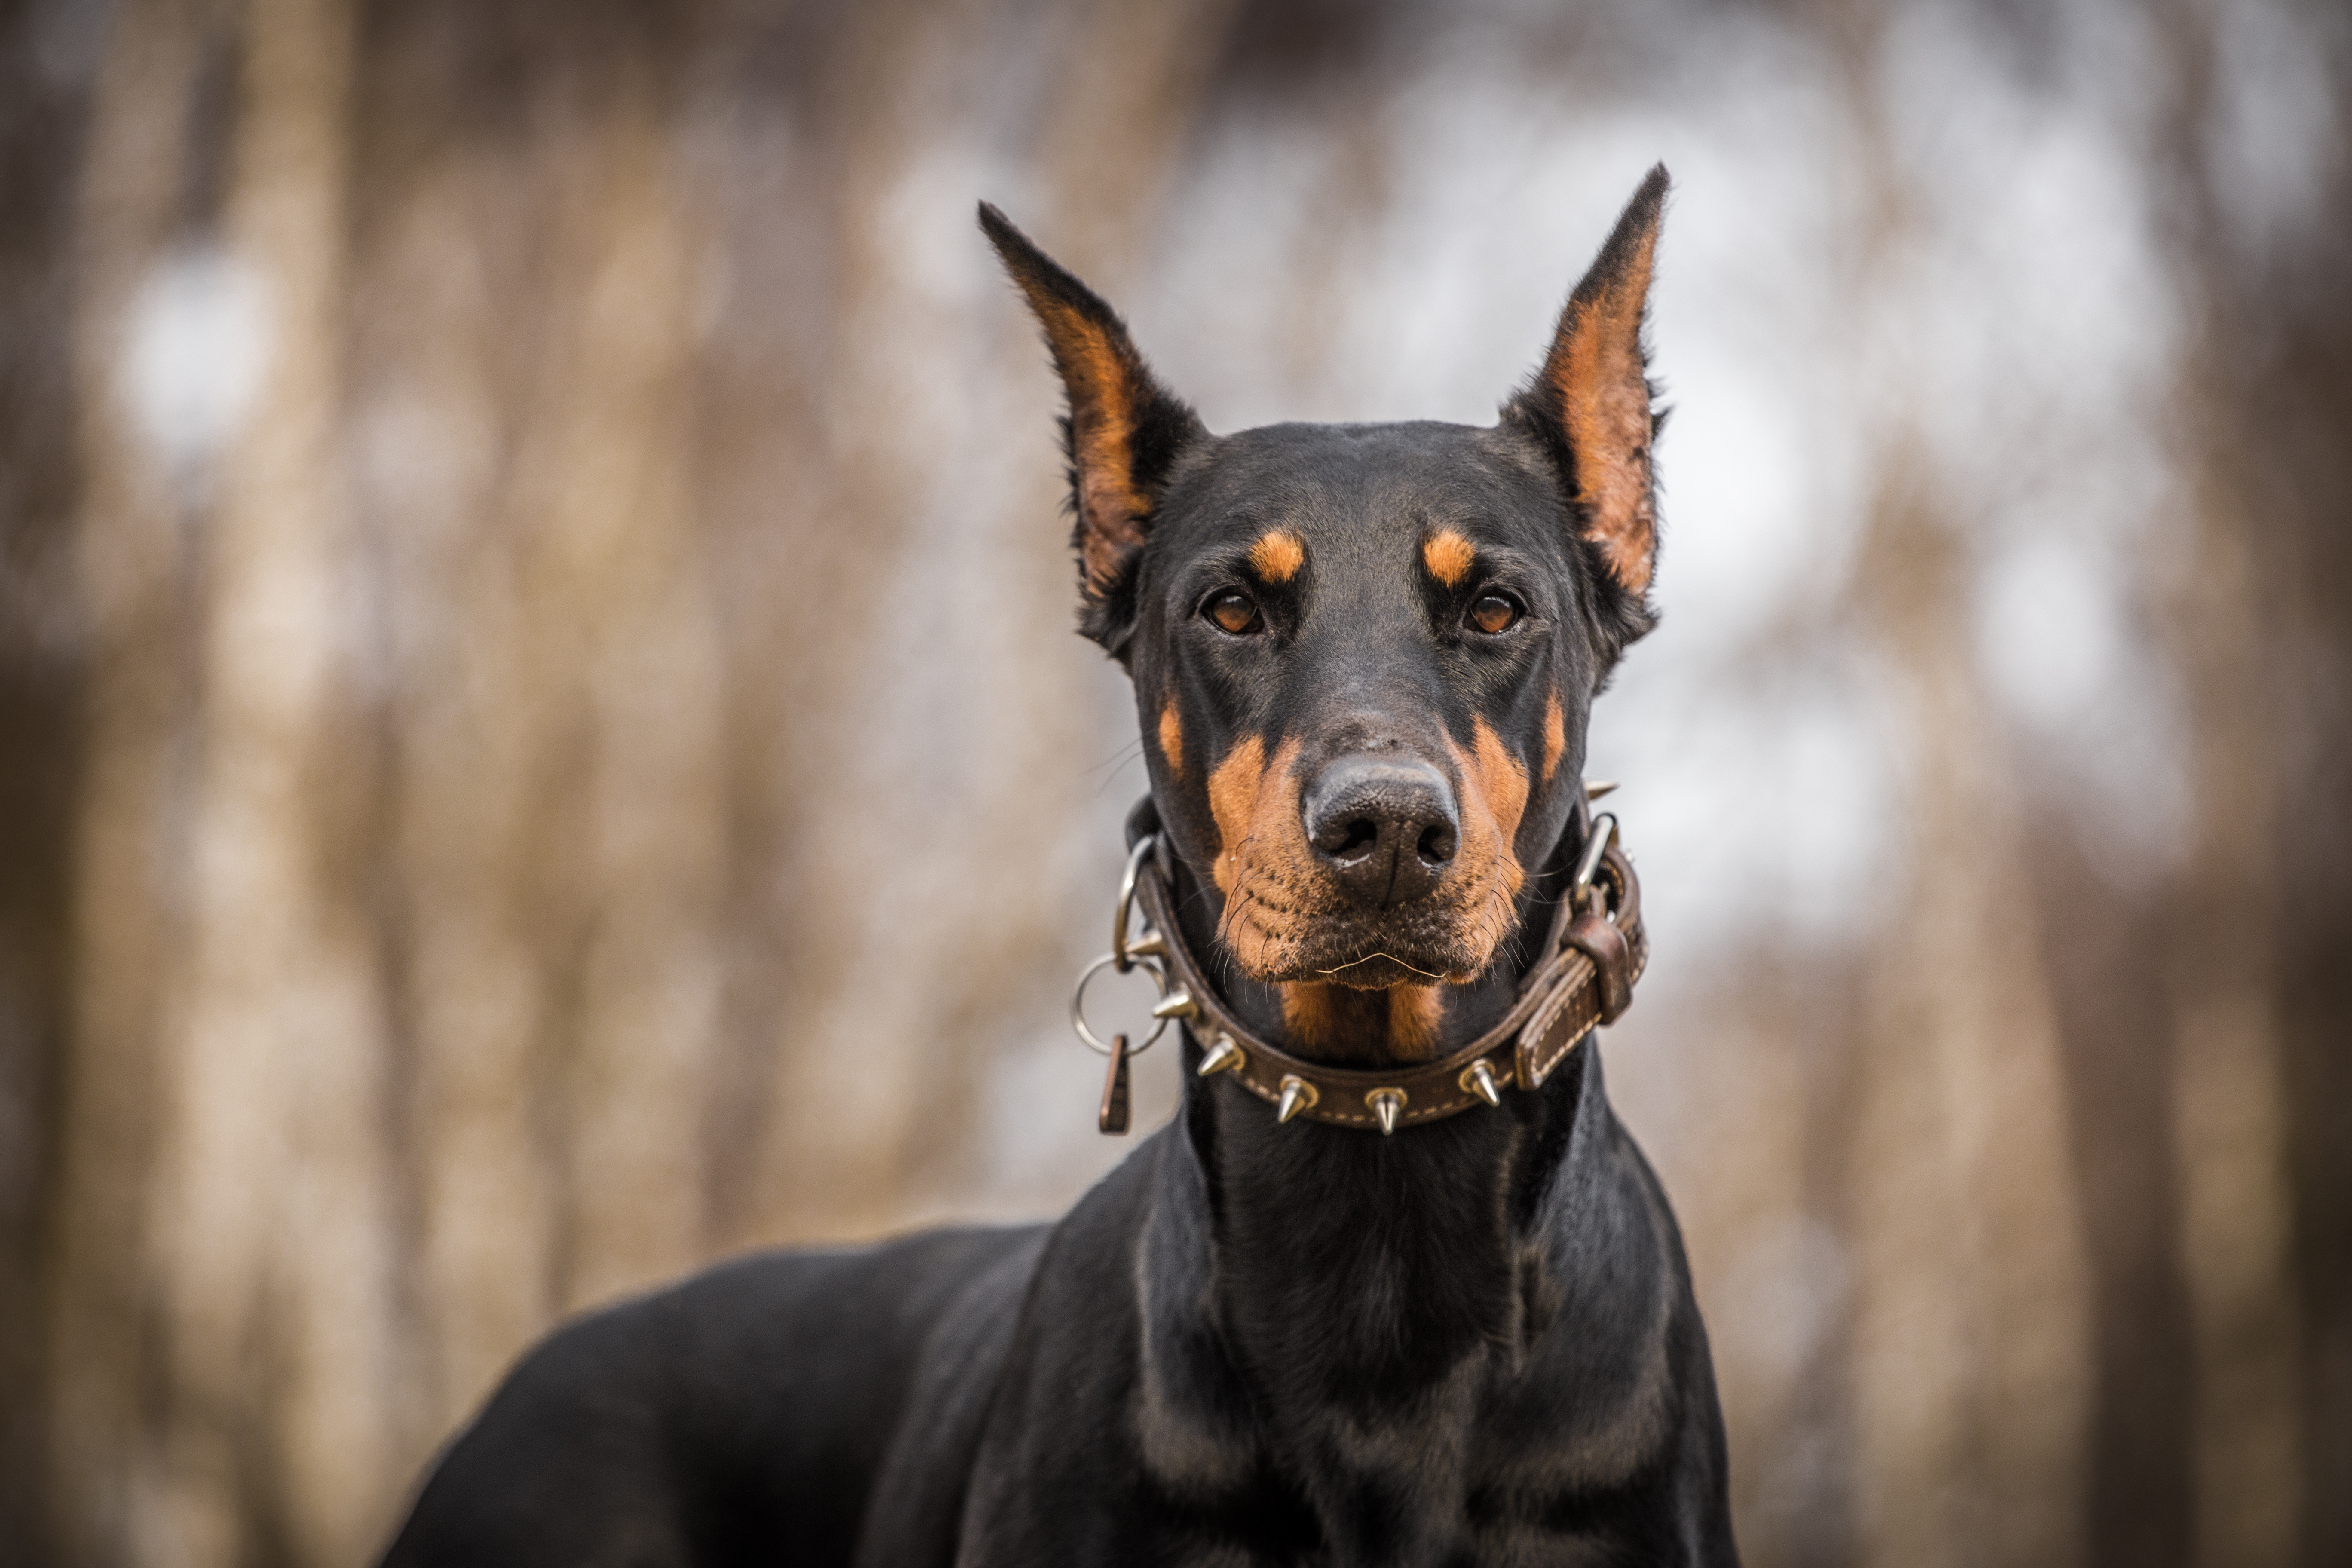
[(1590, 403), (1123, 430)]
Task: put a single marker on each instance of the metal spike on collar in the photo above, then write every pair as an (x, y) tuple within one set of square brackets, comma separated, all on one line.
[(1478, 1077), (1223, 1057), (1177, 1004), (1298, 1094), (1595, 788), (1387, 1104)]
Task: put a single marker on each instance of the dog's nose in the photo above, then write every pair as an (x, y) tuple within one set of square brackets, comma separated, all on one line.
[(1385, 825)]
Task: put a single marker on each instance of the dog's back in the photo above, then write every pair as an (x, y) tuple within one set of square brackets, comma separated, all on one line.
[(738, 1417)]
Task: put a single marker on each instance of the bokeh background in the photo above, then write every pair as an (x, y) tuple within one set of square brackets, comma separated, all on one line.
[(540, 740)]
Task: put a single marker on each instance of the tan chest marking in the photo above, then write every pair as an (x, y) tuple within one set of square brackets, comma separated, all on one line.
[(1341, 1023), (1416, 1013)]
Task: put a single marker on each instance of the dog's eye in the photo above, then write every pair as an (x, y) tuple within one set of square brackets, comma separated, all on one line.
[(1494, 613), (1233, 612)]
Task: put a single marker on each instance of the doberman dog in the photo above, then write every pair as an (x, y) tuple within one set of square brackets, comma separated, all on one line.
[(1444, 1319)]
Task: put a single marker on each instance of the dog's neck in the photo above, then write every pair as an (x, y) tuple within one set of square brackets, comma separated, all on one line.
[(1339, 1246), (1344, 1316), (1345, 1262)]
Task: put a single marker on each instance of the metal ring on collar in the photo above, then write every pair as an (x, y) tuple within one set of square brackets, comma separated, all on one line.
[(1120, 953), (1078, 999), (1597, 844)]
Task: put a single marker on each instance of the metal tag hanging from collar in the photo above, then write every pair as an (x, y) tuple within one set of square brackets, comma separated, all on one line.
[(1130, 949), (1112, 1118)]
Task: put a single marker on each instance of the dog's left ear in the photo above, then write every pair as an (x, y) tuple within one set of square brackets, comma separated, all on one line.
[(1123, 431), (1591, 404)]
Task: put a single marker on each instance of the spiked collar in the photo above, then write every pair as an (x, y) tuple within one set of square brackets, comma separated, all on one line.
[(1593, 952)]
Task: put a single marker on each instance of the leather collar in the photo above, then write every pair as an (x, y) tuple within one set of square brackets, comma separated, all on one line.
[(1584, 977)]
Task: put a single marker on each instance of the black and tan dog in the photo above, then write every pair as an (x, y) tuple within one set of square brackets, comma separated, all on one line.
[(1363, 657)]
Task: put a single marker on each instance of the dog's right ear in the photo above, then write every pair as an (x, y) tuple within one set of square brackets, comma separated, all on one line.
[(1122, 433)]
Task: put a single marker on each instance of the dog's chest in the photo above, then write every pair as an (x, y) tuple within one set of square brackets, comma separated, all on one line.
[(1489, 1464)]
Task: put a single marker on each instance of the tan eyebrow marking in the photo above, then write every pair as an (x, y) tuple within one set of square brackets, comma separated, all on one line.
[(1278, 556), (1555, 734), (1171, 737), (1448, 556)]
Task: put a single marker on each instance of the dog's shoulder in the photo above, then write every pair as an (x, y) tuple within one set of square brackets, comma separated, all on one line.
[(745, 1408), (1617, 1424), (1062, 1458)]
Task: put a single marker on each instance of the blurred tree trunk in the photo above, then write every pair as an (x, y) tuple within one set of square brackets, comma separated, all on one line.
[(2262, 616), (43, 92), (222, 1322), (2265, 618), (155, 124), (1970, 1334), (1971, 1339), (267, 1220)]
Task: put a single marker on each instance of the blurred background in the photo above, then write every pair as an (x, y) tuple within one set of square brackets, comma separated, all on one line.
[(541, 740)]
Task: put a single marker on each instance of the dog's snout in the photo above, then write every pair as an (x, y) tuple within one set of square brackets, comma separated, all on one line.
[(1385, 827)]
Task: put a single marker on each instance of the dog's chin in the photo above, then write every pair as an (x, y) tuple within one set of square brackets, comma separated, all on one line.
[(1374, 955)]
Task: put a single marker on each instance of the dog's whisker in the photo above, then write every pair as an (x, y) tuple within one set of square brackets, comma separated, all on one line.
[(1132, 748), (1391, 957)]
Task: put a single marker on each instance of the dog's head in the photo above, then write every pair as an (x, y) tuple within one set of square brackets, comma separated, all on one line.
[(1363, 655)]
